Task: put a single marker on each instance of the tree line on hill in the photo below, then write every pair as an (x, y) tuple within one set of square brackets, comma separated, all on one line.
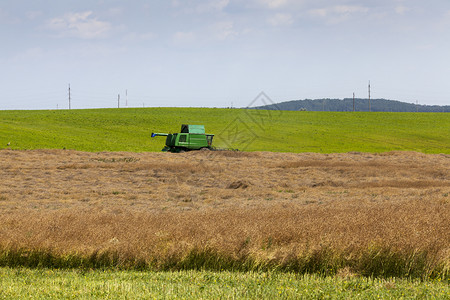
[(359, 105)]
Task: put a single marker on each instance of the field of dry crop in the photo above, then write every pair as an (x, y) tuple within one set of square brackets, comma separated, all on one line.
[(359, 213)]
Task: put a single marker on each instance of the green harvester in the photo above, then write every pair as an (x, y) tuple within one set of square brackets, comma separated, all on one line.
[(191, 137)]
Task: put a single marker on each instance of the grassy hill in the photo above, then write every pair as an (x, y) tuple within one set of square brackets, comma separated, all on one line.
[(251, 130)]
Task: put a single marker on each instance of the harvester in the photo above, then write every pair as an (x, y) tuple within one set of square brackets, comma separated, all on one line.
[(191, 137)]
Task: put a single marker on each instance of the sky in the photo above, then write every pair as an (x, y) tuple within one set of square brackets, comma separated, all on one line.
[(220, 53)]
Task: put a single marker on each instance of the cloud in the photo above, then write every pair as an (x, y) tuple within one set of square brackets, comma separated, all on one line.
[(134, 36), (273, 4), (338, 13), (114, 11), (281, 19), (224, 30), (401, 10), (200, 7), (80, 25)]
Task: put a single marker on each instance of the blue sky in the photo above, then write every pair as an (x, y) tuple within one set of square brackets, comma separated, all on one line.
[(214, 53)]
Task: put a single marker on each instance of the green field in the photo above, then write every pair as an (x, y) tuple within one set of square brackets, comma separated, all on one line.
[(70, 284), (250, 130)]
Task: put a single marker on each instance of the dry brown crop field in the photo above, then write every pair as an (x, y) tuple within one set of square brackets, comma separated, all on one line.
[(384, 214)]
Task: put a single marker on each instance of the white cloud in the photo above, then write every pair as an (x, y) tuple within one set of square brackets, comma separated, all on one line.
[(176, 3), (114, 11), (200, 7), (319, 12), (273, 4), (80, 25), (401, 10), (281, 19), (338, 13), (224, 30), (134, 36)]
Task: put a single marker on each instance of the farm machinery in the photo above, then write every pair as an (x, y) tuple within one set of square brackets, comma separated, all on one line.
[(191, 137)]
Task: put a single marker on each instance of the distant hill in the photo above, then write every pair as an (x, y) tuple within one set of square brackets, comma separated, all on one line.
[(347, 105)]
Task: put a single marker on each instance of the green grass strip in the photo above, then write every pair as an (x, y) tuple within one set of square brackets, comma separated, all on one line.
[(20, 283)]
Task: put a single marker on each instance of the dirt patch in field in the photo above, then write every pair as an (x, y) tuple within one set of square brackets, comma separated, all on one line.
[(153, 202)]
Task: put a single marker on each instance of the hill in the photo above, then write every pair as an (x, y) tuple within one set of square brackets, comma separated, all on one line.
[(129, 129), (376, 105)]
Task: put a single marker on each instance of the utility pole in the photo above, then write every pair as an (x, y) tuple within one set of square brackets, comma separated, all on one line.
[(69, 96), (118, 101), (353, 101), (369, 96), (126, 98)]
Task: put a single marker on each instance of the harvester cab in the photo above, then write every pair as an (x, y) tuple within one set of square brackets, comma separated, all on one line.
[(191, 137)]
